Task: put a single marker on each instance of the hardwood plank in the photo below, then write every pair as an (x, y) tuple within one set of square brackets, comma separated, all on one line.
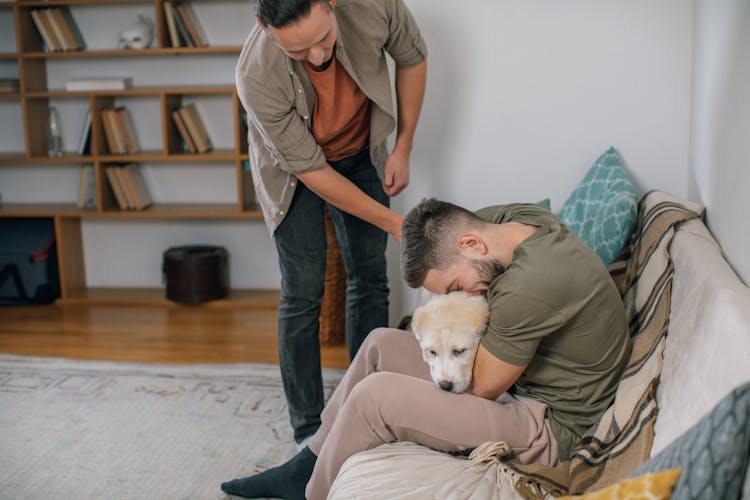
[(148, 334)]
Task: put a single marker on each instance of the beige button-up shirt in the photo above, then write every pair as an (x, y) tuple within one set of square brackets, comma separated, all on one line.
[(279, 98)]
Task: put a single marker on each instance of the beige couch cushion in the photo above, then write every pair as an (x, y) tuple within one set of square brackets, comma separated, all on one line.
[(707, 353), (401, 471)]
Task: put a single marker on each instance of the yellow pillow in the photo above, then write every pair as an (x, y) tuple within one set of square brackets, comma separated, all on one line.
[(653, 486)]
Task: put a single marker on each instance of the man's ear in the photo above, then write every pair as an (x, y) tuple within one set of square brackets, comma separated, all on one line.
[(471, 242)]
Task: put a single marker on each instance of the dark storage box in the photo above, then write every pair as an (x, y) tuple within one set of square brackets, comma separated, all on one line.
[(28, 261), (196, 273)]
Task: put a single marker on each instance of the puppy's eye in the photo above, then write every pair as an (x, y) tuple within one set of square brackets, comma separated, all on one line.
[(458, 352), (432, 353)]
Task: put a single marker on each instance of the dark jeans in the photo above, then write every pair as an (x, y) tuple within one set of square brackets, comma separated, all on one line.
[(301, 246)]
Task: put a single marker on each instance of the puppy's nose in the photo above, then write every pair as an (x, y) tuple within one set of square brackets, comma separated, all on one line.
[(446, 385)]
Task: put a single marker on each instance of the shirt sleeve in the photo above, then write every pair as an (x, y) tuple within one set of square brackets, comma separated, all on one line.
[(405, 43), (290, 143), (516, 326)]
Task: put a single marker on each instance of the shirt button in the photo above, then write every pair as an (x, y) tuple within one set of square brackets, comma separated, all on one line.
[(281, 212), (292, 183), (306, 117), (299, 90)]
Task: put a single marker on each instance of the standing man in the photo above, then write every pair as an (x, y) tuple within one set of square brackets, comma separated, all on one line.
[(314, 81)]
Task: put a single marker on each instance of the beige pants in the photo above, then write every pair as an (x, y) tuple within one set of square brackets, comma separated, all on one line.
[(387, 395)]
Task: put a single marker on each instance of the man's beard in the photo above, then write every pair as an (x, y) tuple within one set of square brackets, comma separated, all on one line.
[(488, 270)]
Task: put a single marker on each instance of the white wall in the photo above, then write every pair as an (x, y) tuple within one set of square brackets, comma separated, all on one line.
[(719, 173), (522, 97)]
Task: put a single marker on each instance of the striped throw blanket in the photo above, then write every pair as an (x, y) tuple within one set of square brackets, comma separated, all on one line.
[(621, 441)]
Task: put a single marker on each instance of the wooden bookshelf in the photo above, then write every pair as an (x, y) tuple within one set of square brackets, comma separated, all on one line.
[(35, 99)]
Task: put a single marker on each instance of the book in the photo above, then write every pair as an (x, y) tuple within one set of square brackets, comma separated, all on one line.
[(65, 31), (191, 24), (73, 27), (119, 173), (99, 84), (118, 146), (126, 129), (117, 188), (119, 131), (169, 13), (136, 186), (86, 187), (9, 85), (84, 143), (197, 130), (54, 29), (41, 27), (185, 38), (182, 129), (108, 132)]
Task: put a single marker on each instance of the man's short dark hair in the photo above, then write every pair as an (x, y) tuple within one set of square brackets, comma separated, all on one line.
[(428, 237), (282, 13)]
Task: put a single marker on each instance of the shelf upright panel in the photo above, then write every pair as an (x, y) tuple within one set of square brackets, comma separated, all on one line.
[(70, 255)]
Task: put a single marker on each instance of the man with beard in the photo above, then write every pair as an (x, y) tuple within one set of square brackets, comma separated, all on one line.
[(547, 367)]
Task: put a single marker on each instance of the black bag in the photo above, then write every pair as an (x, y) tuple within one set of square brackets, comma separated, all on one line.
[(28, 261), (196, 273)]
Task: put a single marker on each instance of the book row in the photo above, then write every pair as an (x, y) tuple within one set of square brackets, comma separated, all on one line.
[(58, 29), (182, 25), (121, 139), (127, 184)]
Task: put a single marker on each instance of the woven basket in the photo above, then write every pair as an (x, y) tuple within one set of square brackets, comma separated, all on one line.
[(333, 308)]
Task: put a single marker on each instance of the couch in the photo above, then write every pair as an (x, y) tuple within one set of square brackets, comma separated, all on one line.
[(695, 420)]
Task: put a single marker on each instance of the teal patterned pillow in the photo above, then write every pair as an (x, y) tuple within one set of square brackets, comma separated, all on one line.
[(603, 208), (713, 453)]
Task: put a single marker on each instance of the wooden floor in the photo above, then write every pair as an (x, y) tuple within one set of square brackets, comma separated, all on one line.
[(176, 335)]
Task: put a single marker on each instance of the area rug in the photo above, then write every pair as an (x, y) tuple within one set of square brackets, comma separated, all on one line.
[(110, 430)]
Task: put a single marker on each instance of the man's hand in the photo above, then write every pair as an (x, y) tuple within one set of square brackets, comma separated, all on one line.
[(396, 176)]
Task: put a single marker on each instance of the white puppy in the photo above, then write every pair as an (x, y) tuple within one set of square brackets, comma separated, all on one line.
[(448, 329)]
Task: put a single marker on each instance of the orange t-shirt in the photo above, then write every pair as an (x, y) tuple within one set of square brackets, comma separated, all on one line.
[(341, 117)]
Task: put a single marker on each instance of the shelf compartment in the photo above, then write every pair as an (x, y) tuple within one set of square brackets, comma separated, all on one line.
[(12, 133)]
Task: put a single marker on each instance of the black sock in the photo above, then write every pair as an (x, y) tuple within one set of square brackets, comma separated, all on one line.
[(288, 480)]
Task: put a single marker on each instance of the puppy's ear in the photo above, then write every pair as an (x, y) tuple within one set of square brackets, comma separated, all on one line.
[(417, 321), (479, 313)]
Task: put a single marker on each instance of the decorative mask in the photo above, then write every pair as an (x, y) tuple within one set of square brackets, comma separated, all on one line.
[(138, 36)]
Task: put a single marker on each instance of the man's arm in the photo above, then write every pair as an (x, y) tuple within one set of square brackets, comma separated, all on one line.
[(410, 86), (492, 376), (342, 193)]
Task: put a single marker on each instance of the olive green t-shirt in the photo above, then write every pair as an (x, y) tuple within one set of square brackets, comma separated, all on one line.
[(557, 310)]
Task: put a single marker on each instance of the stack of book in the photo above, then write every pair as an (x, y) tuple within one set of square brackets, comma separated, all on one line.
[(182, 25), (8, 85), (191, 129), (128, 186), (58, 29), (119, 131)]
